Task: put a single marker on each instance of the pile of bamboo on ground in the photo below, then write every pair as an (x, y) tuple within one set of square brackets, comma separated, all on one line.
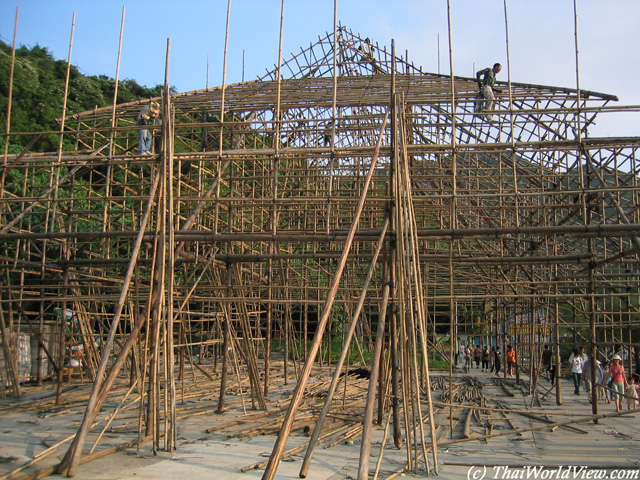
[(463, 392), (122, 413)]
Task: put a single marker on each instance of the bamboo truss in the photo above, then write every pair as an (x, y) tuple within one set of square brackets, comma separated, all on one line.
[(274, 209)]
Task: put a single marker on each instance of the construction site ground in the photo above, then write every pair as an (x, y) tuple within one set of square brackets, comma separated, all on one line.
[(234, 445)]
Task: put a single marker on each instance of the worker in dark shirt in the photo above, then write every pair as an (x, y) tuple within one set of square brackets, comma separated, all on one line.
[(485, 99)]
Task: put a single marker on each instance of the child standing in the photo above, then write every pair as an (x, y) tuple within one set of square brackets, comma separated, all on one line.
[(603, 393), (632, 394)]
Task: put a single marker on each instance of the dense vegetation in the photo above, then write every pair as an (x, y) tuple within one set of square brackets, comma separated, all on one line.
[(38, 94)]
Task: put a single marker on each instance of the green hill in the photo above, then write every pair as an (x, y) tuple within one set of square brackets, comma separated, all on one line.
[(38, 94)]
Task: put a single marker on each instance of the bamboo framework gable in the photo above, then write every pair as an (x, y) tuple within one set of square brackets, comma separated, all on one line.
[(350, 196)]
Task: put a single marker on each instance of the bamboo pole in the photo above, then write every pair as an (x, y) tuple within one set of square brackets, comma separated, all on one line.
[(70, 462), (10, 355), (9, 101), (278, 448), (367, 423), (500, 247), (304, 469), (582, 419), (225, 346)]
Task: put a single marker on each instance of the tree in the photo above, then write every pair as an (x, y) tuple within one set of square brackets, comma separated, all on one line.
[(38, 94)]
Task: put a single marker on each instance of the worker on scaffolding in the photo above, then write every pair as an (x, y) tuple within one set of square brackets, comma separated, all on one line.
[(485, 98), (367, 50), (147, 116)]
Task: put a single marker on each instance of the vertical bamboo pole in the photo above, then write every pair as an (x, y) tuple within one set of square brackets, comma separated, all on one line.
[(556, 337), (116, 84), (167, 153), (274, 207), (395, 380), (158, 306), (224, 79), (367, 423), (452, 211), (334, 115), (225, 344), (395, 349), (593, 350), (66, 246), (10, 354), (109, 175), (578, 95), (63, 333), (9, 99)]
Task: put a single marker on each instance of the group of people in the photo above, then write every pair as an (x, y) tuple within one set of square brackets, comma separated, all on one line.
[(490, 360), (612, 381), (149, 114), (613, 384)]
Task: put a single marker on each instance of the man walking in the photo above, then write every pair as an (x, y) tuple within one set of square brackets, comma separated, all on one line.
[(485, 99)]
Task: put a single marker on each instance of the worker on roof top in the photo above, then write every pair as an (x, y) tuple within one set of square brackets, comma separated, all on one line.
[(147, 116), (485, 99)]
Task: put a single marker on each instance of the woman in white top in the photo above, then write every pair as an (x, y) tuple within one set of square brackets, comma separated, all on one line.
[(576, 362)]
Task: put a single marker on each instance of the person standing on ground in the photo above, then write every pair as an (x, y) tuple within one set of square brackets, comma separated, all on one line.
[(485, 99), (546, 360), (603, 390), (586, 374), (552, 370), (511, 360), (619, 381), (147, 116), (460, 355), (576, 364), (485, 359), (632, 394), (492, 359), (477, 354), (497, 359), (468, 358)]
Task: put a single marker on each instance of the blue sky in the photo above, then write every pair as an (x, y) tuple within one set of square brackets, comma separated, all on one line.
[(541, 39)]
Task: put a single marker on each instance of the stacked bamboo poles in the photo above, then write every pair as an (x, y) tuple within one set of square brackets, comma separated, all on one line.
[(411, 305)]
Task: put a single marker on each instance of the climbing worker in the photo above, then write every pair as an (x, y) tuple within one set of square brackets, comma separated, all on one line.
[(485, 99), (366, 49), (147, 116)]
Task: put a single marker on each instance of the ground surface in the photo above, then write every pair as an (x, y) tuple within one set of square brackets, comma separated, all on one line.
[(28, 428)]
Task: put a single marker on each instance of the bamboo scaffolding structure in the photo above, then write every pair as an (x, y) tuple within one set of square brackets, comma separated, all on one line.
[(254, 239)]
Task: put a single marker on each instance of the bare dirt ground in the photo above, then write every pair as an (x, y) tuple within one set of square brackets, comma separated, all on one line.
[(30, 426)]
